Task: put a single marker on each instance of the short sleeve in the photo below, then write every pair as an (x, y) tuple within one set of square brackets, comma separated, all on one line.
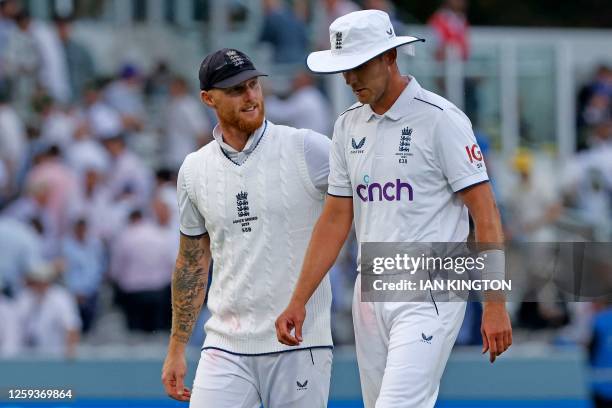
[(316, 154), (190, 219), (339, 180), (459, 155)]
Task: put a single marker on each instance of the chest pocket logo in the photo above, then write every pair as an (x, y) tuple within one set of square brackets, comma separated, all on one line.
[(404, 145), (244, 214)]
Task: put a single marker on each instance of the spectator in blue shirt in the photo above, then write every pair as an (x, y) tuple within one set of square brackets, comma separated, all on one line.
[(20, 246), (285, 32)]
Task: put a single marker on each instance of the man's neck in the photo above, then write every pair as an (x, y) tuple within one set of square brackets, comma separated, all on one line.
[(234, 137), (397, 84)]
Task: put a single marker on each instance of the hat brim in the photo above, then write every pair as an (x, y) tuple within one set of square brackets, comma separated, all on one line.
[(238, 78), (326, 62)]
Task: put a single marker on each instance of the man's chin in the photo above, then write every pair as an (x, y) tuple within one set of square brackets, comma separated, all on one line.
[(364, 98), (249, 126)]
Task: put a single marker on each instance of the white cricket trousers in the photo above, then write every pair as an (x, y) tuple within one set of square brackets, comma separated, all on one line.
[(402, 349), (290, 379)]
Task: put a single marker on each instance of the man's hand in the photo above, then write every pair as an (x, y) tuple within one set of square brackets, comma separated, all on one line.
[(496, 329), (173, 376), (292, 318)]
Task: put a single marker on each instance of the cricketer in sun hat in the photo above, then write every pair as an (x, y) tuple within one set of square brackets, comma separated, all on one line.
[(355, 39)]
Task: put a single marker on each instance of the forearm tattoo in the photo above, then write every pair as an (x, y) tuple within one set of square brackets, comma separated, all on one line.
[(189, 282)]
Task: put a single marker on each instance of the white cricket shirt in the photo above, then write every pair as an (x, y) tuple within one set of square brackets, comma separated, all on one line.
[(402, 168)]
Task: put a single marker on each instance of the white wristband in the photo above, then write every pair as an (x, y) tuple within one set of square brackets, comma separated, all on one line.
[(494, 264)]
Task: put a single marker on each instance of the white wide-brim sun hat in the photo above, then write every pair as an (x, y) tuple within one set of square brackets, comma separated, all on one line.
[(355, 39)]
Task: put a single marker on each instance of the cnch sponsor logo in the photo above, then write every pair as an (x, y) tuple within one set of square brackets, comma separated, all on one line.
[(390, 191)]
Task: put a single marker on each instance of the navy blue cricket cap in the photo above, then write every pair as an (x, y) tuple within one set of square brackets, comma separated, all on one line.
[(225, 68)]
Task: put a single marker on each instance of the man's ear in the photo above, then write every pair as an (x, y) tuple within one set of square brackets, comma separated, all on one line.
[(206, 99), (390, 56)]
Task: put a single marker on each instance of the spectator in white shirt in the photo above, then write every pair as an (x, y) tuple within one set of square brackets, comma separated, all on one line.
[(13, 141), (165, 193), (128, 179), (10, 335), (305, 108), (126, 96), (58, 125), (53, 71), (22, 63), (187, 126), (102, 119), (85, 153), (105, 217), (48, 314)]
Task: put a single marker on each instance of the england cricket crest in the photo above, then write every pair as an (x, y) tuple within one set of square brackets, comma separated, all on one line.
[(244, 214), (339, 40), (404, 145), (233, 57)]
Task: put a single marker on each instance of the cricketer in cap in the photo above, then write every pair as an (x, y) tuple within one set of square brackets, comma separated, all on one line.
[(229, 84), (249, 199)]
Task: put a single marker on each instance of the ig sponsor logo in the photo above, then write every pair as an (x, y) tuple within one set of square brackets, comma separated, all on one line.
[(474, 155)]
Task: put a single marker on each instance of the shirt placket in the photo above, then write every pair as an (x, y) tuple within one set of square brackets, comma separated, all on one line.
[(378, 140)]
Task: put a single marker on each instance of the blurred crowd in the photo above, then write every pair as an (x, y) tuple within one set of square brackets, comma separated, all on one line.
[(88, 165)]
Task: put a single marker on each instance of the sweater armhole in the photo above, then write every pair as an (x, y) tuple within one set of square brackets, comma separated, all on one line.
[(299, 149), (190, 175)]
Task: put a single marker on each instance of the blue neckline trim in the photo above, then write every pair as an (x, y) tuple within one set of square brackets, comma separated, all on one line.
[(254, 148)]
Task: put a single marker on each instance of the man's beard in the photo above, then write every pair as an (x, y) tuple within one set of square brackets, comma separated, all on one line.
[(247, 126)]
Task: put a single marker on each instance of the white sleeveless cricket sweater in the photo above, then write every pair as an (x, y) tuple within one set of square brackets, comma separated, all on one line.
[(259, 216)]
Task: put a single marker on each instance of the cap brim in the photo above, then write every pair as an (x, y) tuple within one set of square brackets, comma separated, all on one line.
[(326, 62), (238, 78)]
